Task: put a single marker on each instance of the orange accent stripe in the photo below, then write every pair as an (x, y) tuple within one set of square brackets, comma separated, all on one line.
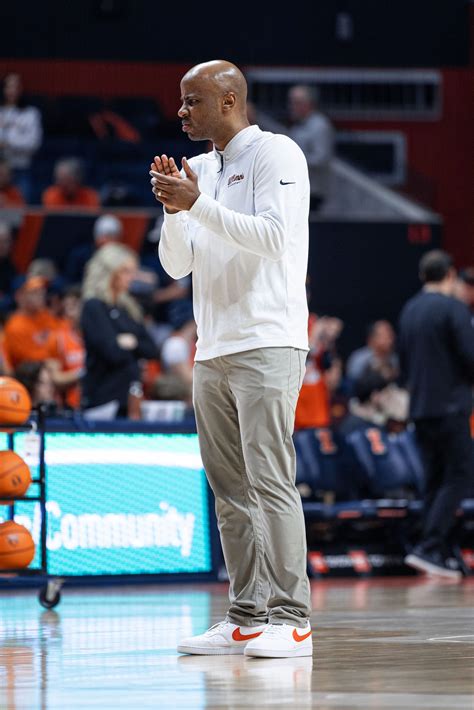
[(298, 638), (134, 229), (237, 636), (27, 239)]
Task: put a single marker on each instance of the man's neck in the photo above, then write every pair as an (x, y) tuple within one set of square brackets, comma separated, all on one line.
[(222, 141), (444, 287), (31, 313)]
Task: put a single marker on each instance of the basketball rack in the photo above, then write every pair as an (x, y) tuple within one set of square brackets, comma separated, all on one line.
[(50, 590)]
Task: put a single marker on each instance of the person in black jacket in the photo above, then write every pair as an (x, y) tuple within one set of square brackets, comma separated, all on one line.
[(436, 346), (114, 334), (8, 272)]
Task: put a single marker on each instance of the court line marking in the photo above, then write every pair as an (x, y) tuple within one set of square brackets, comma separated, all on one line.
[(450, 638)]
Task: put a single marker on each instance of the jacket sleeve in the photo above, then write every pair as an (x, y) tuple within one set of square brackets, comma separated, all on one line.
[(281, 186), (100, 335), (176, 248), (462, 335), (146, 347)]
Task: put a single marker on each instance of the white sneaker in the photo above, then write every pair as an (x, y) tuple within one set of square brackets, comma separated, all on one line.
[(281, 641), (221, 639)]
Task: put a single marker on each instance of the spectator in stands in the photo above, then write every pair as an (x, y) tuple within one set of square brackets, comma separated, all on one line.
[(36, 376), (107, 228), (395, 402), (366, 407), (312, 131), (171, 298), (436, 347), (68, 190), (322, 375), (28, 330), (465, 288), (68, 352), (55, 284), (20, 132), (379, 354), (43, 267), (177, 359), (63, 350), (8, 272), (10, 195), (112, 325)]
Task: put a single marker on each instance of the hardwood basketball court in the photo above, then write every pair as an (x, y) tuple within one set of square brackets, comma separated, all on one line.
[(401, 643)]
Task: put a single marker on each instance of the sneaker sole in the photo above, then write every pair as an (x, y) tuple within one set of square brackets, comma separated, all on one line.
[(201, 651), (273, 653), (425, 566)]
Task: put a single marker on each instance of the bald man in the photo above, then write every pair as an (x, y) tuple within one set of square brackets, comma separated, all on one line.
[(237, 219)]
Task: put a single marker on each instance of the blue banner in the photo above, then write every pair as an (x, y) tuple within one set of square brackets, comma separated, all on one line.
[(120, 504)]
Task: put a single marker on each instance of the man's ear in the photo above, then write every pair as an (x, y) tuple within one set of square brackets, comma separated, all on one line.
[(228, 101)]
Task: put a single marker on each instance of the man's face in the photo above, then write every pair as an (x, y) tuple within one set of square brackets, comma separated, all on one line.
[(200, 110), (67, 180), (123, 277), (12, 88), (108, 238), (465, 292), (33, 299), (299, 104), (383, 339), (72, 308)]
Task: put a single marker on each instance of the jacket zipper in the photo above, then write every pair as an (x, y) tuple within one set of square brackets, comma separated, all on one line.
[(220, 173)]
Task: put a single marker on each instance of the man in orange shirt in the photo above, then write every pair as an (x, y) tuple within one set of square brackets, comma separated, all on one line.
[(28, 330), (10, 196), (68, 351), (68, 190), (313, 408)]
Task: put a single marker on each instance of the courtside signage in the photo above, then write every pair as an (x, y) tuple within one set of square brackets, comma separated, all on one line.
[(122, 504)]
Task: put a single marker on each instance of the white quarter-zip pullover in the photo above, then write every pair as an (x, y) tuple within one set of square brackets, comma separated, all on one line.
[(245, 240)]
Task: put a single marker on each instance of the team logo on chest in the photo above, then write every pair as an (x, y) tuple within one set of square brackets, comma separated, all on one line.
[(234, 178)]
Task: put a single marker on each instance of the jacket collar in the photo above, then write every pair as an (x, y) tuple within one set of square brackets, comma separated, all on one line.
[(241, 139)]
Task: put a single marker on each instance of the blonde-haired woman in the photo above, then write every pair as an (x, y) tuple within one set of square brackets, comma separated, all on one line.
[(113, 330)]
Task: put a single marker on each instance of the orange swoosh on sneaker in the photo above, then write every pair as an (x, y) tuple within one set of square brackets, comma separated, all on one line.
[(297, 637), (238, 636)]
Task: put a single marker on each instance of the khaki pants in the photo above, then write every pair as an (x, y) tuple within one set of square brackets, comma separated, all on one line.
[(245, 408)]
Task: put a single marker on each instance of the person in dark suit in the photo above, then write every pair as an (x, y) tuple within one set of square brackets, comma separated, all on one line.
[(436, 347)]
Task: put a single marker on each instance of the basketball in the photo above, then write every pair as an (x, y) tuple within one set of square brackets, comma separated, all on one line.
[(15, 476), (15, 402), (17, 548)]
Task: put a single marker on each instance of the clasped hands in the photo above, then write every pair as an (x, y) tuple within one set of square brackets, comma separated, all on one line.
[(175, 191)]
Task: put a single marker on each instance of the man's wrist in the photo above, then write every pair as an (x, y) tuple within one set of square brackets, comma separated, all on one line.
[(194, 202)]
